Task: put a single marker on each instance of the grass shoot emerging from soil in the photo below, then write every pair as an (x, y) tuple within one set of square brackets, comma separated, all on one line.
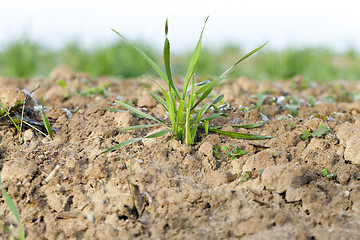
[(183, 108), (14, 211), (18, 121)]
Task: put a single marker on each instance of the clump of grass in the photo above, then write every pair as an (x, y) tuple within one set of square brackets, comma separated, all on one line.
[(13, 210), (186, 110)]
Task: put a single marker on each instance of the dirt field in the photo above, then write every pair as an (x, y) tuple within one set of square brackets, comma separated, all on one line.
[(302, 184)]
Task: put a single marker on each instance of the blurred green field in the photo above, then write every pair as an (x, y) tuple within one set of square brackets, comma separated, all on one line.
[(25, 58)]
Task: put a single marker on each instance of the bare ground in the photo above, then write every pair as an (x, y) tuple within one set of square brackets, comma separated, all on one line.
[(278, 190)]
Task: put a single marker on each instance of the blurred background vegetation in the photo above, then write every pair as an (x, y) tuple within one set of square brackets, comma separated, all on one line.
[(25, 58)]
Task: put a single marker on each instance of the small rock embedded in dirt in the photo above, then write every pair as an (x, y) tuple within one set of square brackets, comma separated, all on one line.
[(28, 135)]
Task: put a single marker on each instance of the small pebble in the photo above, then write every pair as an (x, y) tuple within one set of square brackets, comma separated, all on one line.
[(236, 121), (346, 194), (91, 218)]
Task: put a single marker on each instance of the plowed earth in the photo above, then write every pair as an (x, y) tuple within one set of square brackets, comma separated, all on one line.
[(287, 187)]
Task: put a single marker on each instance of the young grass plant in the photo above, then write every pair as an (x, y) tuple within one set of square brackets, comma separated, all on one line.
[(45, 120), (185, 109)]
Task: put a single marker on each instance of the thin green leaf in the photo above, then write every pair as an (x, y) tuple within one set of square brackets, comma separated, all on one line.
[(167, 63), (166, 96), (260, 100), (193, 62), (148, 59), (218, 99), (213, 116), (158, 99), (239, 135), (206, 90), (13, 209), (12, 120), (46, 120), (180, 113), (171, 104), (199, 84), (138, 127), (122, 144), (228, 71), (140, 113), (159, 134), (113, 110), (251, 125), (206, 126)]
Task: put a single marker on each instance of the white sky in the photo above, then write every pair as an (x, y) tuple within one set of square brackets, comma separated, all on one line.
[(333, 24)]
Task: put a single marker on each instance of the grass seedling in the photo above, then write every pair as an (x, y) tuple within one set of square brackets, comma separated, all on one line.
[(326, 173), (5, 111), (305, 134), (260, 100), (14, 211), (245, 177), (186, 110), (19, 121), (234, 153), (321, 131), (46, 120)]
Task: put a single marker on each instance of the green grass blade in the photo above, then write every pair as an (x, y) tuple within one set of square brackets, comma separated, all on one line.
[(218, 99), (138, 127), (13, 209), (167, 63), (147, 58), (171, 104), (251, 125), (12, 120), (159, 134), (193, 62), (260, 100), (46, 120), (180, 113), (206, 126), (122, 144), (199, 84), (213, 116), (140, 113), (130, 141), (229, 70), (158, 99), (254, 125), (238, 135), (166, 96), (206, 90)]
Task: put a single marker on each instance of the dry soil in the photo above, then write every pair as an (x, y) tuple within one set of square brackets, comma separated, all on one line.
[(287, 187)]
